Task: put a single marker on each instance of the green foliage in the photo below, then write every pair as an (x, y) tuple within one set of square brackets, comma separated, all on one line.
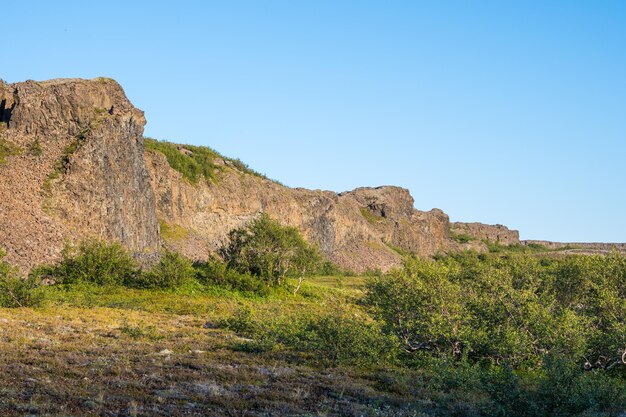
[(104, 80), (338, 337), (7, 149), (329, 268), (514, 308), (461, 237), (272, 251), (215, 272), (172, 232), (61, 165), (371, 217), (343, 337), (16, 291), (95, 262), (497, 247), (557, 388), (103, 264), (35, 148), (172, 271), (195, 165), (501, 334), (195, 162), (141, 332)]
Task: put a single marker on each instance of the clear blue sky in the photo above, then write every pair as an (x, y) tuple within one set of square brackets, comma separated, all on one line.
[(499, 112)]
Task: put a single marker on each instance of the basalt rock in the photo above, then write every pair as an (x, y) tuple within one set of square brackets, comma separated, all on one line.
[(73, 166), (493, 233), (363, 229), (76, 169)]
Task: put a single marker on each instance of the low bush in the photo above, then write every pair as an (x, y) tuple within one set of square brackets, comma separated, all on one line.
[(16, 291), (173, 270), (505, 308), (215, 272), (195, 162), (334, 338), (7, 149), (95, 262), (558, 388)]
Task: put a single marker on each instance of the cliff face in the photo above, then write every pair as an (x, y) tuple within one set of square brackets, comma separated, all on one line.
[(479, 231), (579, 247), (73, 166), (358, 230), (75, 169)]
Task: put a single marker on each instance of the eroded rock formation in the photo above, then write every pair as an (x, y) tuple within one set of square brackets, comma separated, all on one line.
[(479, 231), (73, 166), (76, 169), (359, 230)]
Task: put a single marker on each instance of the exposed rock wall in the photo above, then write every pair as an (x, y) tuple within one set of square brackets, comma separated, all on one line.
[(78, 170), (479, 231), (359, 230), (579, 247)]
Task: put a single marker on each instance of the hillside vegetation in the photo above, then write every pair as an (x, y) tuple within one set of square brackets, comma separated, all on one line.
[(500, 334), (195, 162)]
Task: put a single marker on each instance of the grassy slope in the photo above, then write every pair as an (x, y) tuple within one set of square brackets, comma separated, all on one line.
[(148, 353), (196, 163)]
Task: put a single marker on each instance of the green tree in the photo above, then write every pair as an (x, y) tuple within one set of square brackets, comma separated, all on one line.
[(272, 251)]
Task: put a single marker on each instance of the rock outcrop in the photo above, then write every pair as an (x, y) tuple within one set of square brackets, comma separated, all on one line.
[(493, 233), (359, 230), (578, 247), (76, 169)]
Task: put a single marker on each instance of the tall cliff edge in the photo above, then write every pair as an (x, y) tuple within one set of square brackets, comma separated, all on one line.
[(73, 168)]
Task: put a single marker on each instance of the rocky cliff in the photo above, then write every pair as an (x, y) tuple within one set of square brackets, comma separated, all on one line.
[(578, 247), (73, 165), (479, 231), (73, 169), (362, 229)]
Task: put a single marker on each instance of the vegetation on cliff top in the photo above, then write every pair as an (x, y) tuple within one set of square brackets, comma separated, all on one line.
[(195, 162)]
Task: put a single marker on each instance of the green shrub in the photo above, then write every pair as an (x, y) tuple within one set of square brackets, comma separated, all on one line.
[(16, 291), (195, 165), (496, 308), (272, 251), (172, 232), (35, 148), (7, 149), (342, 338), (215, 272), (95, 262), (329, 268), (557, 388), (371, 217), (461, 237), (333, 338), (173, 270)]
